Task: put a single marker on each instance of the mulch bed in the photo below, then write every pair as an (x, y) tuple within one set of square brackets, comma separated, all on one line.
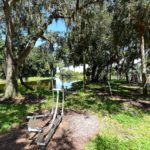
[(74, 132)]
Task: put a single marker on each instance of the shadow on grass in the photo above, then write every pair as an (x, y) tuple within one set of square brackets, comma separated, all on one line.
[(94, 103), (97, 99), (13, 112), (11, 115), (77, 85), (110, 142), (106, 143)]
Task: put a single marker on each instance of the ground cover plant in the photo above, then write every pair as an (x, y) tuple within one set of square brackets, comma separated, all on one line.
[(124, 122), (105, 40)]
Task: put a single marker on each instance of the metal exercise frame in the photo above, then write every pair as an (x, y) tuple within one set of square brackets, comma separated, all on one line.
[(44, 137)]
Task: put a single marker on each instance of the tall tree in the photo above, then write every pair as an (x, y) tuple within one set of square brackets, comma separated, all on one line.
[(131, 26), (24, 22), (91, 39)]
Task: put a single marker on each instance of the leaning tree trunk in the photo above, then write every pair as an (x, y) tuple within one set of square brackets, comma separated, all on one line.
[(11, 78), (143, 65), (11, 67)]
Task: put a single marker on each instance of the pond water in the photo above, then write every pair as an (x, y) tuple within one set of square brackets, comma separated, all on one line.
[(46, 84), (66, 84)]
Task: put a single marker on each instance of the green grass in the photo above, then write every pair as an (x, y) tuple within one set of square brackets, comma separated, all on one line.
[(15, 114), (92, 102), (110, 142), (2, 81), (11, 114), (30, 79), (122, 125), (122, 132), (128, 118)]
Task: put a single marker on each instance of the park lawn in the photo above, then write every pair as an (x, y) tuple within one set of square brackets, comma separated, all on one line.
[(2, 81), (13, 114), (29, 79), (122, 125)]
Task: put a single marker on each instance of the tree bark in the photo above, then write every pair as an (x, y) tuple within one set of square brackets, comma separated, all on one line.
[(11, 67), (93, 75), (97, 74), (84, 72), (110, 72), (11, 78), (24, 84), (127, 76), (143, 64)]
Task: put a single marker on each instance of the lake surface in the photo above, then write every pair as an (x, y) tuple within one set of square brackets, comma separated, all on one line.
[(46, 84), (66, 84)]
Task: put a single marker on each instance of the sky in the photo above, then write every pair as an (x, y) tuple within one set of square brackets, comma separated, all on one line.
[(56, 26)]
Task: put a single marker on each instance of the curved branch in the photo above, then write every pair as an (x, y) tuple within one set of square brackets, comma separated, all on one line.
[(24, 84), (40, 33)]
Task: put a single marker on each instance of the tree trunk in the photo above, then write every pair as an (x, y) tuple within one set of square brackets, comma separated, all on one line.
[(127, 76), (11, 67), (107, 71), (143, 64), (24, 84), (97, 74), (84, 72), (11, 78), (93, 75), (110, 72)]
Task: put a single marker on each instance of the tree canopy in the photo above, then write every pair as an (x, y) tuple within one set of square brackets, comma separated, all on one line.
[(105, 35)]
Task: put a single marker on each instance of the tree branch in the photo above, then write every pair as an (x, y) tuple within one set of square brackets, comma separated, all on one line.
[(34, 38), (9, 27), (32, 41), (84, 5), (12, 2), (45, 38)]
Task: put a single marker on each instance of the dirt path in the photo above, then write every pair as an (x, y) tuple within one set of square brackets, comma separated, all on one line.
[(74, 132)]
